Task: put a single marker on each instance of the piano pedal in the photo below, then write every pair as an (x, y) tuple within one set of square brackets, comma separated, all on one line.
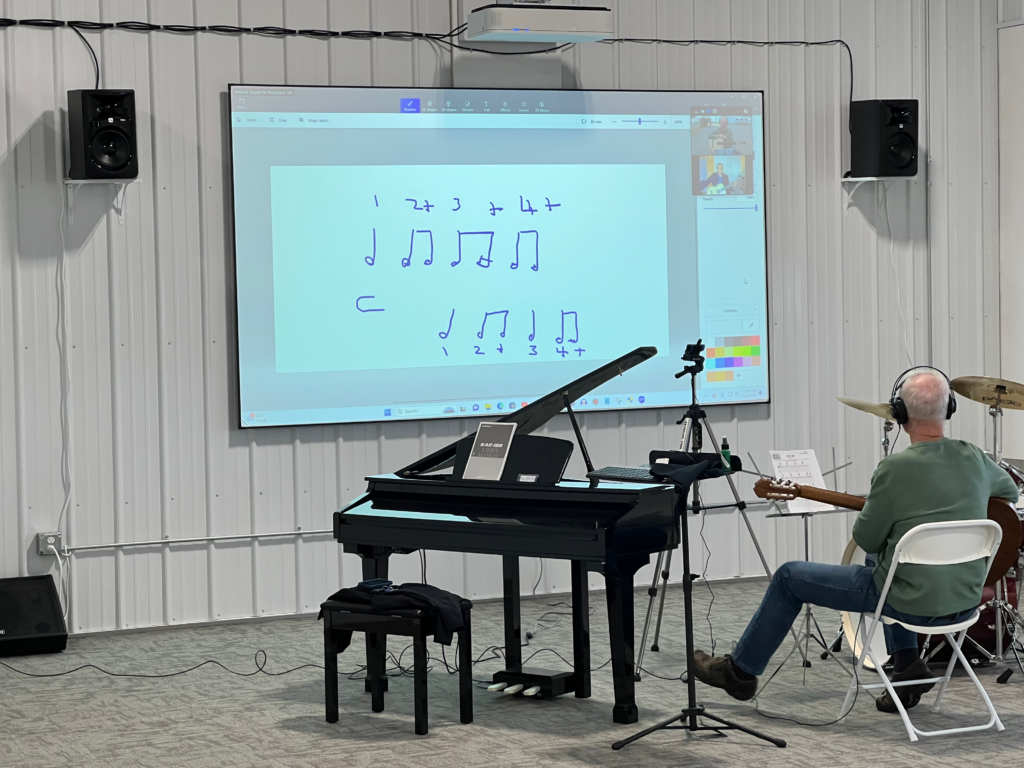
[(497, 687), (513, 689), (532, 691)]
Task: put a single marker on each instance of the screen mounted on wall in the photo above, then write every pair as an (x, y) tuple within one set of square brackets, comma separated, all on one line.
[(416, 253)]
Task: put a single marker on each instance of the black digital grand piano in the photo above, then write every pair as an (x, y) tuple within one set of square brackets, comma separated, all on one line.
[(610, 528)]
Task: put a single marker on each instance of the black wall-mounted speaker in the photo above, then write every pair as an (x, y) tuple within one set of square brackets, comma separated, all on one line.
[(883, 137), (31, 620), (101, 135)]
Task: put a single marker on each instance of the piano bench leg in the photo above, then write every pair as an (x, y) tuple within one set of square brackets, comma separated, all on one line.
[(420, 680), (330, 672), (375, 652), (625, 714), (466, 672)]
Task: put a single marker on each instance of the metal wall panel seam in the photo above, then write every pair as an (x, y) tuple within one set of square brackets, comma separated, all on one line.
[(21, 447), (204, 253), (11, 455)]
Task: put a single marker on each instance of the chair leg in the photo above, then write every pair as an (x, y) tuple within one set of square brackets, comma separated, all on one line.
[(375, 651), (895, 697), (851, 692), (330, 671), (993, 715), (466, 673), (420, 680), (949, 673)]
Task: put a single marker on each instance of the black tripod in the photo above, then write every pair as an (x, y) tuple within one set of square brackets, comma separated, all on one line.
[(688, 716)]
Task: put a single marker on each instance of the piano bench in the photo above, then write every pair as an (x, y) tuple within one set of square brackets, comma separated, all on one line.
[(341, 619)]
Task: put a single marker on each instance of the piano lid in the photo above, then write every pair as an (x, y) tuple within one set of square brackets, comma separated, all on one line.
[(541, 411)]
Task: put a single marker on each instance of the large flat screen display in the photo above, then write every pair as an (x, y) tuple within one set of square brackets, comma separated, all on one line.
[(420, 253)]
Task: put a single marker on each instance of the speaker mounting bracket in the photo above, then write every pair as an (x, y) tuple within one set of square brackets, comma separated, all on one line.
[(70, 185), (858, 181)]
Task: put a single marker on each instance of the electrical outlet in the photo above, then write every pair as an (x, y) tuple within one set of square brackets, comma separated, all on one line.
[(46, 540)]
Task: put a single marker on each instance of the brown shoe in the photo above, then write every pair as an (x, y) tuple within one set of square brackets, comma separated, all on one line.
[(719, 672), (910, 695)]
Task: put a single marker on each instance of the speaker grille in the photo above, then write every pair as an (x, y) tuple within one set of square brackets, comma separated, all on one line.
[(111, 149), (900, 149)]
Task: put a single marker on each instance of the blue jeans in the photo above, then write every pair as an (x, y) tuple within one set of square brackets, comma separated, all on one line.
[(840, 587)]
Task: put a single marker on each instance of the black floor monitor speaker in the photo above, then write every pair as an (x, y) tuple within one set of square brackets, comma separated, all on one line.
[(883, 134), (101, 135), (31, 620)]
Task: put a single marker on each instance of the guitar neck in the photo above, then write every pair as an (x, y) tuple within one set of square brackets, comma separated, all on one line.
[(835, 498)]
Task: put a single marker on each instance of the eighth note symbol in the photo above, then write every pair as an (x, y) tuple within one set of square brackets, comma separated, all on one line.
[(536, 249), (504, 322), (576, 327)]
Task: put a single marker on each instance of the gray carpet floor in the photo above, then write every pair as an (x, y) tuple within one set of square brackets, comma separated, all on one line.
[(212, 718)]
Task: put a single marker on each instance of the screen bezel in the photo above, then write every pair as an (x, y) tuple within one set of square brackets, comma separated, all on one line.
[(231, 161)]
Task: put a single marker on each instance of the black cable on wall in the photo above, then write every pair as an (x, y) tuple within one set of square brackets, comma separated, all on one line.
[(367, 34)]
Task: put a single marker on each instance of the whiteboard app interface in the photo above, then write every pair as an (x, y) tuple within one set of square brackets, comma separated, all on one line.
[(429, 253)]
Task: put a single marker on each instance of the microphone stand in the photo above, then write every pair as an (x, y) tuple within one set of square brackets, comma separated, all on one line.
[(693, 710)]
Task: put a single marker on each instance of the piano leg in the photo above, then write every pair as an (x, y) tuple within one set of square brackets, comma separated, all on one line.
[(581, 628), (375, 566), (620, 631), (513, 619)]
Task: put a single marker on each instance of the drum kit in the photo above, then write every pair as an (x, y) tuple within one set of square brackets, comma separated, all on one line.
[(1001, 626)]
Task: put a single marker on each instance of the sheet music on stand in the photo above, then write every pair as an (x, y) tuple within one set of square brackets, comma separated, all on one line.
[(800, 467)]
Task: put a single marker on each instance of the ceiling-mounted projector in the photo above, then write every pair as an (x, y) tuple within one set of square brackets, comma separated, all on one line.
[(537, 23)]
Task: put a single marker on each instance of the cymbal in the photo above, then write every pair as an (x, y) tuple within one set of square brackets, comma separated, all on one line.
[(991, 391), (881, 410)]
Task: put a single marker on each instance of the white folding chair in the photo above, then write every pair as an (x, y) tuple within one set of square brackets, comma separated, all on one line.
[(931, 544)]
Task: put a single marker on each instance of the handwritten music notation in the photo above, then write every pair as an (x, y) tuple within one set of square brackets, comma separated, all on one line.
[(513, 236), (525, 205), (494, 326), (478, 246)]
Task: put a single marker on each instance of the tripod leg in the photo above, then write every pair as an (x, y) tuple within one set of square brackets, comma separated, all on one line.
[(751, 731), (661, 604), (648, 731), (652, 592)]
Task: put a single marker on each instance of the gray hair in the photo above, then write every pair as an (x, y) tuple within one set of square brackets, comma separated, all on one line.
[(926, 395)]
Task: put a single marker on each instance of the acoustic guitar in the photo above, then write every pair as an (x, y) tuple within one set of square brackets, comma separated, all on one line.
[(1000, 511)]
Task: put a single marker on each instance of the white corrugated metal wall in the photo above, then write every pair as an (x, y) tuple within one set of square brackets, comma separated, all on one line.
[(155, 451)]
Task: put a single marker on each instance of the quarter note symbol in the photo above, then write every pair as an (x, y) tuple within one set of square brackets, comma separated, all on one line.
[(533, 320), (525, 244), (504, 322), (575, 325), (412, 244), (444, 334), (371, 260)]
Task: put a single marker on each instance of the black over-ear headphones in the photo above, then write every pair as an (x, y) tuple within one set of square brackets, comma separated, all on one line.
[(899, 408)]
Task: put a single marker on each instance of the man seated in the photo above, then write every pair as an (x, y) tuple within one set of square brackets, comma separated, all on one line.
[(934, 480), (721, 137)]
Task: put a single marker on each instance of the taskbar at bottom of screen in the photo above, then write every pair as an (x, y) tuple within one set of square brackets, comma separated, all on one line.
[(493, 408)]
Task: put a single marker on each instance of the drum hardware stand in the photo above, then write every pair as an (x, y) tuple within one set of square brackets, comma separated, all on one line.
[(689, 714), (1014, 623), (695, 423)]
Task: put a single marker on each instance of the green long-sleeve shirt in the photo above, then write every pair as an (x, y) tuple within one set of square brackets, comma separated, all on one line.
[(929, 483)]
